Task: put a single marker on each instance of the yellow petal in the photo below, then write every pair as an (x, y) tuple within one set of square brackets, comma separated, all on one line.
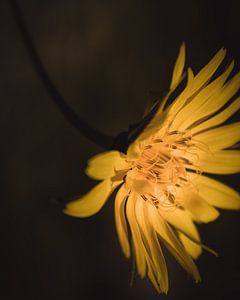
[(173, 244), (176, 79), (180, 101), (217, 193), (139, 250), (133, 151), (197, 206), (219, 118), (226, 93), (221, 137), (206, 73), (156, 259), (121, 223), (197, 108), (195, 84), (221, 162), (152, 276), (181, 220), (105, 164), (160, 116), (92, 202), (179, 66), (192, 248), (139, 186)]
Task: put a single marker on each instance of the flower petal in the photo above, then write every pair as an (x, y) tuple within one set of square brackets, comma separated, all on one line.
[(206, 73), (227, 92), (220, 138), (156, 261), (180, 101), (139, 250), (172, 243), (197, 206), (194, 249), (219, 118), (133, 151), (139, 185), (221, 162), (196, 83), (160, 116), (104, 165), (197, 107), (92, 202), (178, 68), (217, 193), (181, 220), (120, 219)]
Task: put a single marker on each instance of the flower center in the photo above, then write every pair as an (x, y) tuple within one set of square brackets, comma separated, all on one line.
[(162, 163)]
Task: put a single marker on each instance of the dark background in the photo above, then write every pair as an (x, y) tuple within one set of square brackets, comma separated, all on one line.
[(104, 57)]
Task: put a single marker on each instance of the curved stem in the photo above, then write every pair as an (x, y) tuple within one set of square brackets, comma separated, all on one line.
[(92, 134)]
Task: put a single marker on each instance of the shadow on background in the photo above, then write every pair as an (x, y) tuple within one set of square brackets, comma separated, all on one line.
[(104, 57)]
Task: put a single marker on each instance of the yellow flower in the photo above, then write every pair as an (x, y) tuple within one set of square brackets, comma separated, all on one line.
[(162, 189)]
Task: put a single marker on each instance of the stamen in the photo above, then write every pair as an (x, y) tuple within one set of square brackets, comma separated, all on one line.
[(164, 162)]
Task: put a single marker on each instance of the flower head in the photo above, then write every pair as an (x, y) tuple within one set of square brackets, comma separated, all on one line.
[(162, 187)]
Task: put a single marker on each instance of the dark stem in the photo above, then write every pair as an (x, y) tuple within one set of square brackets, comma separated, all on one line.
[(92, 134)]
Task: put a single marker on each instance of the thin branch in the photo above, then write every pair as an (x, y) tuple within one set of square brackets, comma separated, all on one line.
[(92, 134)]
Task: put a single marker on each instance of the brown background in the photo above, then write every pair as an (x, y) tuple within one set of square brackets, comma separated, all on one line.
[(104, 57)]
